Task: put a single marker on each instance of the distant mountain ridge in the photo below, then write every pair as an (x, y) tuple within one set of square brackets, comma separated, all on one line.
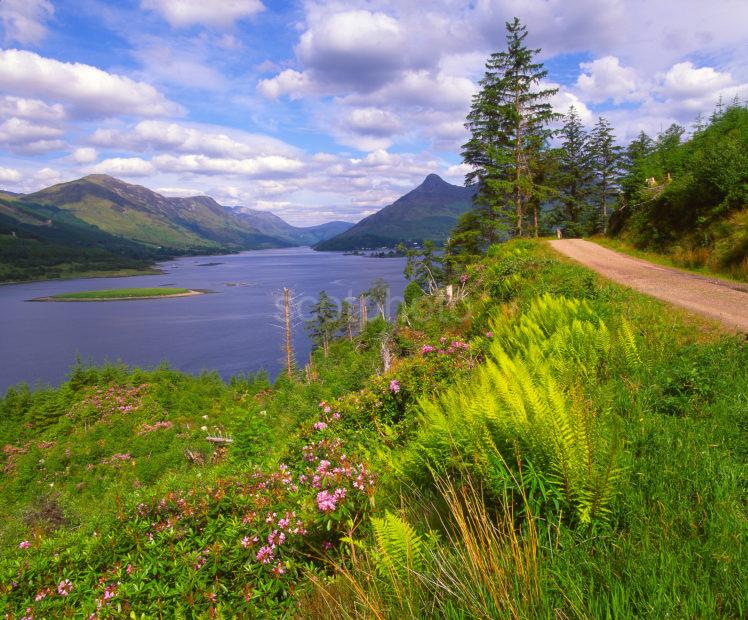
[(270, 224), (429, 212), (100, 223)]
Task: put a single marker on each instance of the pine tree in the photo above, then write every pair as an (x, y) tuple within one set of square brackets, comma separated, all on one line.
[(324, 322), (508, 124), (347, 319), (575, 174), (606, 167)]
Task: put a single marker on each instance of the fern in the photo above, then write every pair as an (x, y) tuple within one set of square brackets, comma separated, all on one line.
[(399, 547), (522, 400)]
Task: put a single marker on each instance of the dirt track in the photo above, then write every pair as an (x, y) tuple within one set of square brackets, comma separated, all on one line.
[(726, 302)]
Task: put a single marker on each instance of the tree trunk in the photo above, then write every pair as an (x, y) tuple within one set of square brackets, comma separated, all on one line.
[(287, 317)]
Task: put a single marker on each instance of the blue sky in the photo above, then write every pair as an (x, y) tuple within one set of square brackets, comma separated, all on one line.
[(325, 110)]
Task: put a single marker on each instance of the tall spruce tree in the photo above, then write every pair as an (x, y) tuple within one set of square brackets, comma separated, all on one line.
[(606, 168), (575, 176), (324, 322), (508, 125)]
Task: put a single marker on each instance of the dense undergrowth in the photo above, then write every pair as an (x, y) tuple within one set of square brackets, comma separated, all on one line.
[(549, 445), (695, 208)]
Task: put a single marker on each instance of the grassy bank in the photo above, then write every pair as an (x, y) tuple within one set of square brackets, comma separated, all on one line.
[(122, 294), (551, 445)]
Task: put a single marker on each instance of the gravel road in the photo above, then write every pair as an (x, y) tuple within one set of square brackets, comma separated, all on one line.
[(724, 301)]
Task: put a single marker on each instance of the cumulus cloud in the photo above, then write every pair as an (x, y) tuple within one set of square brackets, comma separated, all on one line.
[(215, 13), (194, 138), (686, 81), (90, 91), (124, 166), (31, 109), (287, 82), (9, 175), (605, 78), (84, 155), (23, 136), (23, 21), (271, 165)]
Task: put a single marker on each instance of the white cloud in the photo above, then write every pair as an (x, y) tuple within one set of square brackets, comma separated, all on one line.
[(24, 21), (84, 155), (202, 139), (288, 82), (31, 109), (23, 136), (216, 13), (271, 165), (9, 175), (124, 166), (354, 47), (89, 90), (46, 177), (686, 81), (605, 78)]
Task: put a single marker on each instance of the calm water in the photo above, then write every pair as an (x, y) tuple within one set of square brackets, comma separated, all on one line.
[(232, 331)]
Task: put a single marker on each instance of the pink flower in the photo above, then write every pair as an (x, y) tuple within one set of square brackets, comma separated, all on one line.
[(65, 587), (326, 502), (129, 569), (426, 349), (335, 416), (320, 426), (394, 386), (489, 334), (24, 544), (327, 409), (265, 555), (463, 278), (278, 569)]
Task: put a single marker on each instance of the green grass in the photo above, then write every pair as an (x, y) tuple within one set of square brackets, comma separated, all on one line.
[(121, 293)]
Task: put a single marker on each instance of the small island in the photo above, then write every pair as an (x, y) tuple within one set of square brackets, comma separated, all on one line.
[(123, 294)]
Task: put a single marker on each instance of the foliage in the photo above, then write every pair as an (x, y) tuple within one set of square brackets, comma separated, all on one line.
[(324, 322), (571, 448), (508, 127), (695, 212)]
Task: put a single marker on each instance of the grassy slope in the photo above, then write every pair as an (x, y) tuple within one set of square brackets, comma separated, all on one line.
[(670, 546)]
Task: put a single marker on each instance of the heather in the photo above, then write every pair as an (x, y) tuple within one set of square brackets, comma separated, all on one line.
[(542, 443)]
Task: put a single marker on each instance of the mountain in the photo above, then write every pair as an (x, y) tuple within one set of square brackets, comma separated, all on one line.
[(139, 214), (429, 212), (273, 226), (99, 223)]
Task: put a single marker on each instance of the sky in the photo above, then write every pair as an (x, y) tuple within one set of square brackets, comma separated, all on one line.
[(326, 110)]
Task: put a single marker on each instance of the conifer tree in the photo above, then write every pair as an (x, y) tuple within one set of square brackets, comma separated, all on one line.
[(347, 319), (606, 167), (575, 174), (324, 322), (508, 125)]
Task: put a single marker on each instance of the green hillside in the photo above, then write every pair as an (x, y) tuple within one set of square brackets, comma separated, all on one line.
[(139, 214), (551, 443), (695, 206), (429, 212)]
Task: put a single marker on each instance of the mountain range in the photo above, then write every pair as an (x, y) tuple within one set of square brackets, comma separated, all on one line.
[(98, 223), (429, 212)]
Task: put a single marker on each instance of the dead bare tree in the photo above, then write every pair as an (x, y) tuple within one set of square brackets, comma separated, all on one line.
[(288, 316)]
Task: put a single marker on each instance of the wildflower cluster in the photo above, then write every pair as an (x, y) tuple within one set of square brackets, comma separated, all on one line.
[(114, 399), (149, 428)]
